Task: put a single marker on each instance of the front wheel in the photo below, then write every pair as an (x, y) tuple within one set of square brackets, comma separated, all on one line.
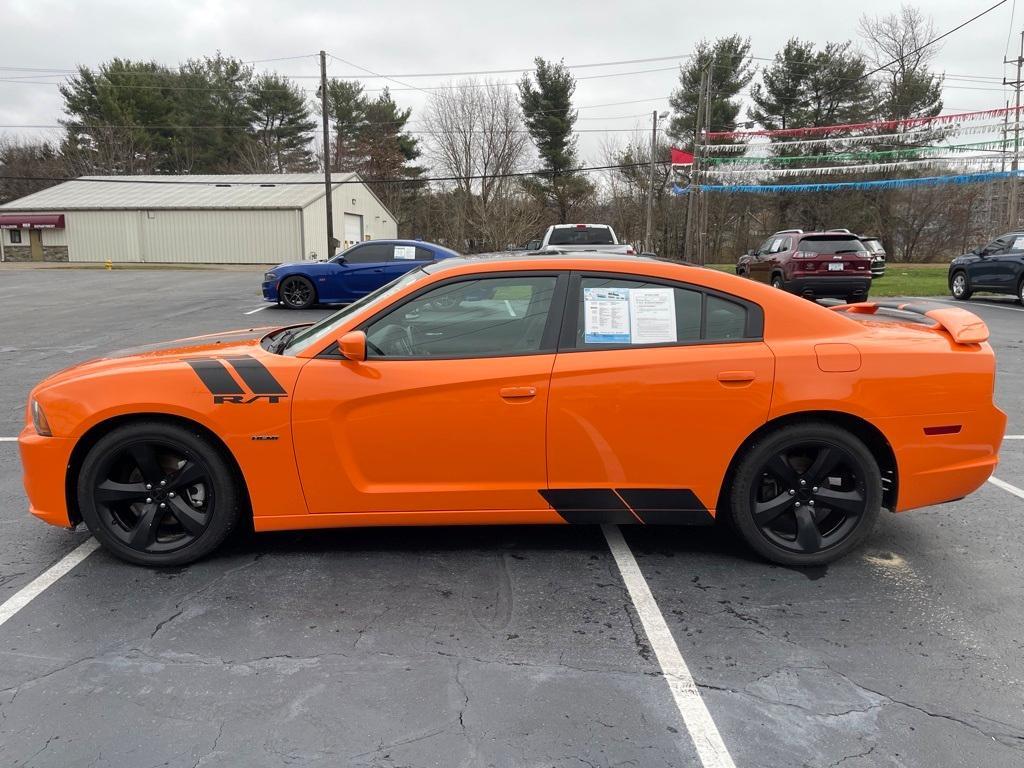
[(297, 292), (777, 283), (960, 287), (157, 494), (806, 494), (1020, 291)]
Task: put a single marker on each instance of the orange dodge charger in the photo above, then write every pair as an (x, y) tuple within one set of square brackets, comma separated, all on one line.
[(562, 389)]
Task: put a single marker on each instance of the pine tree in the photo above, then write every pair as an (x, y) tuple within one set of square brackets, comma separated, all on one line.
[(282, 127), (729, 64), (550, 118), (779, 98)]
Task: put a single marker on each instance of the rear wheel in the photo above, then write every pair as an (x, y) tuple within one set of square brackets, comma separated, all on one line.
[(297, 292), (806, 494), (157, 494), (960, 286), (1020, 291)]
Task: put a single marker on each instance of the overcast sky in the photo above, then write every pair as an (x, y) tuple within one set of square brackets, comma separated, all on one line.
[(404, 38)]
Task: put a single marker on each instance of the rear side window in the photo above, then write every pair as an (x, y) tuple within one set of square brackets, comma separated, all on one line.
[(424, 254), (831, 245), (615, 312), (581, 236), (874, 246)]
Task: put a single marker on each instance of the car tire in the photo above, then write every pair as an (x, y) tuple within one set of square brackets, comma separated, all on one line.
[(157, 494), (297, 292), (830, 506), (960, 286), (853, 298), (778, 282), (1020, 291)]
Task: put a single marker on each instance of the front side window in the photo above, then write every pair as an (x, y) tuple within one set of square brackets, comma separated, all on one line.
[(487, 317), (370, 254), (616, 312)]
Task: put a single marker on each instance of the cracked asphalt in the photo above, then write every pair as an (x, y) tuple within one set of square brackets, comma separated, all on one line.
[(489, 646)]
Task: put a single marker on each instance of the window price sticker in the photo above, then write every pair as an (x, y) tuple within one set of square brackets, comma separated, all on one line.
[(606, 315), (629, 315)]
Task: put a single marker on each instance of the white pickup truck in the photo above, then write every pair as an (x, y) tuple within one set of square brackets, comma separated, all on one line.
[(599, 238)]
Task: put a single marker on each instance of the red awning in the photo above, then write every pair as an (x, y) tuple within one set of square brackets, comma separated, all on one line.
[(31, 221)]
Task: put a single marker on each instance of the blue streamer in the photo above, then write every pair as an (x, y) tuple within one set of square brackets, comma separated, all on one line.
[(835, 186)]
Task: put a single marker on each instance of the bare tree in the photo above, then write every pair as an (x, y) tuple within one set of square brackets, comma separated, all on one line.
[(476, 136)]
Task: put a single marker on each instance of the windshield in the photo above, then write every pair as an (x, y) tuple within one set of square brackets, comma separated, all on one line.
[(581, 236), (831, 245), (318, 331)]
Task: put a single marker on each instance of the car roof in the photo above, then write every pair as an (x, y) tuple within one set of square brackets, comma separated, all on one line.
[(573, 226), (555, 257)]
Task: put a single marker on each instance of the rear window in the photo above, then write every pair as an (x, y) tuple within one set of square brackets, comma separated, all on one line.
[(581, 236), (831, 245)]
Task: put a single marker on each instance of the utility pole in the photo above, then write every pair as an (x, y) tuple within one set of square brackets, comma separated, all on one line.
[(703, 229), (327, 155), (648, 243), (1014, 203), (691, 204)]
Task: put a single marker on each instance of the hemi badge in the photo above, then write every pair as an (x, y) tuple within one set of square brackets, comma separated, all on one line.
[(263, 437)]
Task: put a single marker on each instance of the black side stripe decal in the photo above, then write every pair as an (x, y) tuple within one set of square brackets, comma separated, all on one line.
[(589, 506), (216, 377), (256, 376), (625, 506)]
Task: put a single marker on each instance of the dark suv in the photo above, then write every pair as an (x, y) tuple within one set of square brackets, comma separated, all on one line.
[(811, 264), (996, 267)]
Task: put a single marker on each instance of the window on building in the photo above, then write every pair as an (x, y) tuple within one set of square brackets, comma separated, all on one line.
[(15, 236)]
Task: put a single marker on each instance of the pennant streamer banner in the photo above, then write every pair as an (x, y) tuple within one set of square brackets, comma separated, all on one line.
[(919, 136), (836, 186), (881, 155), (679, 157), (876, 125), (937, 162)]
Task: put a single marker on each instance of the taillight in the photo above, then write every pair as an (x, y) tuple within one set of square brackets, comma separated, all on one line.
[(804, 255), (581, 226), (630, 252)]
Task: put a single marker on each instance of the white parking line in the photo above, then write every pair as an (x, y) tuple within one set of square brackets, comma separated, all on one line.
[(702, 729), (46, 579), (1006, 486), (258, 309), (8, 439), (1013, 437)]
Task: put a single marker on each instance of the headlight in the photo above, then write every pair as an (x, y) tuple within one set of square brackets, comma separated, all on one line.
[(268, 276), (39, 421)]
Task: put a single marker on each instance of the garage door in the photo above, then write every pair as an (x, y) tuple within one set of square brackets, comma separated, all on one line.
[(353, 229)]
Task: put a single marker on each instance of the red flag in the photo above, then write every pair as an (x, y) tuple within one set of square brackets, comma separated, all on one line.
[(681, 158)]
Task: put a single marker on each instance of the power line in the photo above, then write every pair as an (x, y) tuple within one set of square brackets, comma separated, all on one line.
[(318, 181)]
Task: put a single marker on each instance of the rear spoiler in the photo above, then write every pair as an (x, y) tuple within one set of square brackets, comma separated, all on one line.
[(965, 327)]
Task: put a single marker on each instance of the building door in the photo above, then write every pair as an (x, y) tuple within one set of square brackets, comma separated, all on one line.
[(35, 239), (353, 229)]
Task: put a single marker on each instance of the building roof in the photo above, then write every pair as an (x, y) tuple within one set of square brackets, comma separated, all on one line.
[(213, 192)]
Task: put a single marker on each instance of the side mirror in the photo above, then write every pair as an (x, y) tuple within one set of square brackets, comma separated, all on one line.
[(353, 346), (750, 252)]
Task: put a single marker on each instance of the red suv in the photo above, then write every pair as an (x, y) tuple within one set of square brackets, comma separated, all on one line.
[(811, 264)]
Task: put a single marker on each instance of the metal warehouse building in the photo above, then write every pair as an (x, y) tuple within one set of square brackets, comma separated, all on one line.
[(238, 219)]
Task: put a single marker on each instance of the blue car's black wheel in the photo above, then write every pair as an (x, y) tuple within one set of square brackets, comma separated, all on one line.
[(296, 292)]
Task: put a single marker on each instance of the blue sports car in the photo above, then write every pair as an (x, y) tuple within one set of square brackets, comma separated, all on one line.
[(350, 275)]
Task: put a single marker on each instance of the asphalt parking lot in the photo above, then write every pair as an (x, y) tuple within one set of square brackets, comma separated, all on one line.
[(490, 646)]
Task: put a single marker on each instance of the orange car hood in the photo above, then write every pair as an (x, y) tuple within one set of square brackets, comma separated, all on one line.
[(227, 343)]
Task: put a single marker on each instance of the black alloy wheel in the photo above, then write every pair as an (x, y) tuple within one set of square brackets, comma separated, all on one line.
[(297, 292), (960, 287), (807, 494), (157, 494)]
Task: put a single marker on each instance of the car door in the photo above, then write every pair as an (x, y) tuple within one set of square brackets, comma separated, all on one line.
[(655, 386), (1004, 268), (447, 413), (985, 272), (760, 265), (371, 265)]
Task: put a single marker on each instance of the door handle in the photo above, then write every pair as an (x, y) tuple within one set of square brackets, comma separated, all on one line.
[(518, 393), (735, 377)]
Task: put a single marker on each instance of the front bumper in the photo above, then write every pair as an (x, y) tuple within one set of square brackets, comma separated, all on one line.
[(269, 288), (44, 462), (877, 269), (836, 287)]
